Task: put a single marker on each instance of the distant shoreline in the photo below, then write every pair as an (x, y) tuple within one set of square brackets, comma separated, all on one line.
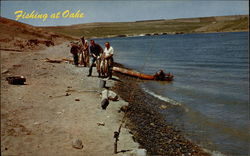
[(237, 23), (160, 34)]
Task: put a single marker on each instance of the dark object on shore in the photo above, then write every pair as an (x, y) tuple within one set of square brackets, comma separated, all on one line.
[(116, 136), (101, 124), (102, 83), (16, 80), (113, 98), (160, 76), (67, 94), (104, 103)]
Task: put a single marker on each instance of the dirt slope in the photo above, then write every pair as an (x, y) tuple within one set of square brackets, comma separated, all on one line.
[(23, 37)]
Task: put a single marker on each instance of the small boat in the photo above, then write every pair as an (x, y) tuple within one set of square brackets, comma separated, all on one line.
[(160, 76)]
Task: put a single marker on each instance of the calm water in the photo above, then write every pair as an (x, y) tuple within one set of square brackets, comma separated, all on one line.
[(210, 89)]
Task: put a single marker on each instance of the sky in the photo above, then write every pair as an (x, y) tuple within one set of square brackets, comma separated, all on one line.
[(123, 10)]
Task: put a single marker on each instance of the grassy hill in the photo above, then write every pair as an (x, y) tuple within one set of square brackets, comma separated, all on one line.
[(175, 26), (17, 36)]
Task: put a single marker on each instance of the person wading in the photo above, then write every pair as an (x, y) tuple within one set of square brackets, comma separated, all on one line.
[(109, 52), (95, 51)]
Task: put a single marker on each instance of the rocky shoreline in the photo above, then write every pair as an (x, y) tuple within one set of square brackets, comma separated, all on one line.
[(148, 126)]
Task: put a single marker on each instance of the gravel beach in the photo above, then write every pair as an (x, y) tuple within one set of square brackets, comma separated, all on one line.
[(148, 126)]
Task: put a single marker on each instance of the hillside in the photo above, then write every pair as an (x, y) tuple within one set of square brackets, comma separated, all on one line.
[(22, 37), (155, 27), (18, 36)]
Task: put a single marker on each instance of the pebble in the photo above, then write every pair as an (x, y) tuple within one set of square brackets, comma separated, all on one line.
[(124, 108), (67, 94), (77, 99), (104, 103), (163, 107), (77, 144)]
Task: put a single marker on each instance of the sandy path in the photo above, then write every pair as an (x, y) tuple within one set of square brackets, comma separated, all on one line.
[(38, 119)]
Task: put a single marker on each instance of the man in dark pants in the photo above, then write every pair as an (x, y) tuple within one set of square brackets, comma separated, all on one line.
[(109, 52), (84, 52), (74, 51), (95, 51)]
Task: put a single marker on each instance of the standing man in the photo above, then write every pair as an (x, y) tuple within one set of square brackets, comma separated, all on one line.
[(109, 52), (84, 52), (95, 51), (74, 51)]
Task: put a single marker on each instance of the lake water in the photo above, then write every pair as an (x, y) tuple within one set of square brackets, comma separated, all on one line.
[(210, 90)]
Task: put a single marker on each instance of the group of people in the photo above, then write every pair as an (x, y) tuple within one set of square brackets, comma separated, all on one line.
[(93, 54)]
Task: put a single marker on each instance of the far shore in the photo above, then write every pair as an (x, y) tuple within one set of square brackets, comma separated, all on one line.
[(158, 34), (235, 23)]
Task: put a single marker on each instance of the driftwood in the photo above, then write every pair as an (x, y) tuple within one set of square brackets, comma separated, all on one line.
[(158, 76), (67, 60), (7, 49), (133, 73), (58, 60), (5, 71), (53, 61)]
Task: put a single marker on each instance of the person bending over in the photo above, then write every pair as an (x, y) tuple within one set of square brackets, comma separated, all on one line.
[(95, 51)]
